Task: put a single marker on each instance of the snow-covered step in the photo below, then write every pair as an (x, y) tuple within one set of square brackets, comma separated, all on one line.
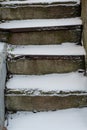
[(39, 1), (63, 49), (34, 9), (46, 92), (43, 59), (70, 119), (43, 31), (35, 23)]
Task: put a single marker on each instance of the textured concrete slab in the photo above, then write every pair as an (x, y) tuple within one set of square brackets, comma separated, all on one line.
[(2, 81), (45, 37), (46, 92), (36, 32), (16, 102), (84, 17), (45, 64), (40, 11)]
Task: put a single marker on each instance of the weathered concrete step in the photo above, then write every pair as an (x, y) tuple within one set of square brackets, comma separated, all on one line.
[(60, 120), (45, 64), (45, 59), (41, 31), (46, 92), (14, 10), (2, 81), (63, 49), (11, 2)]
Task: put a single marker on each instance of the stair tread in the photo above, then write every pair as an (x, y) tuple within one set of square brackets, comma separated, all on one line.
[(38, 23), (40, 2), (68, 82), (74, 119), (63, 49)]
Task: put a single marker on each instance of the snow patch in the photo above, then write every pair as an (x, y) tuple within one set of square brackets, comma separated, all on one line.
[(52, 82), (33, 23), (2, 45), (70, 119), (63, 49), (38, 1)]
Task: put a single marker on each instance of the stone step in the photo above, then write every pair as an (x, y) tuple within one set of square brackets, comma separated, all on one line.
[(60, 120), (46, 92), (47, 31), (44, 59), (32, 9), (2, 81)]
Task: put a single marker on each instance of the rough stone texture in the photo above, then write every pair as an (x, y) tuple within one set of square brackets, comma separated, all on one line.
[(3, 36), (45, 65), (84, 17), (39, 11), (2, 86), (52, 36), (41, 103)]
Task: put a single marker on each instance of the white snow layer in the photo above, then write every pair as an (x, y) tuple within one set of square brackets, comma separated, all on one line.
[(69, 119), (63, 49), (38, 1), (40, 23), (52, 82), (2, 47)]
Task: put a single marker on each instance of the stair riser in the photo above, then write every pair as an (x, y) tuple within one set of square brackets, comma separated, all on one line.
[(45, 37), (44, 103), (39, 12), (3, 36), (45, 65)]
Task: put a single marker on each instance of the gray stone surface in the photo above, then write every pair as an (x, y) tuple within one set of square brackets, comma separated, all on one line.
[(39, 12), (45, 65), (2, 84), (45, 36), (44, 103), (84, 17)]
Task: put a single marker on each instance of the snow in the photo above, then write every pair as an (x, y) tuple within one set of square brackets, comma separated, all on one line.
[(63, 49), (39, 1), (2, 47), (33, 23), (69, 119), (52, 82)]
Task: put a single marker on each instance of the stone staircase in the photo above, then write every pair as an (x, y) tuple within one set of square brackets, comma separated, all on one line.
[(45, 55)]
